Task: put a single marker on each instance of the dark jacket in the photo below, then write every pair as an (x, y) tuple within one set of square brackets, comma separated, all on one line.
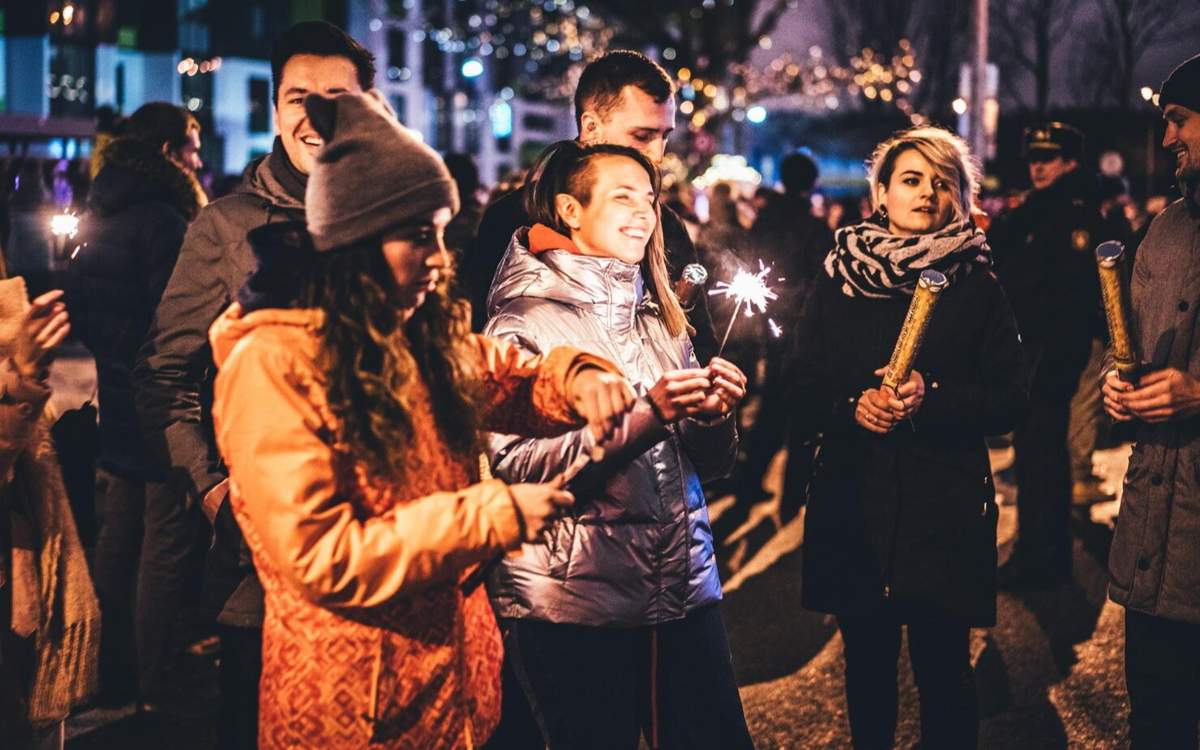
[(911, 515), (507, 214), (1045, 258), (174, 372), (139, 207), (636, 548), (1154, 564)]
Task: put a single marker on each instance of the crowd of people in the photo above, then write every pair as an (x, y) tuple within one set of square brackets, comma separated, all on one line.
[(440, 463)]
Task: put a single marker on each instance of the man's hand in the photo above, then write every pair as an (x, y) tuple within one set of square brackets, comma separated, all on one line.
[(44, 327), (1162, 396), (680, 393), (727, 389), (1112, 388), (539, 504), (601, 398)]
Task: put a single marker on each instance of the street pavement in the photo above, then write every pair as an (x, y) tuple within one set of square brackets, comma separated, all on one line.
[(1050, 674)]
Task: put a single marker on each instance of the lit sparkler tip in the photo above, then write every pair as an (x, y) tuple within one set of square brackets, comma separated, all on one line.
[(64, 225), (748, 289)]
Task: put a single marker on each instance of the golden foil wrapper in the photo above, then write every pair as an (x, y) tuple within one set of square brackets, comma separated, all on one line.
[(929, 288), (690, 283), (1110, 262)]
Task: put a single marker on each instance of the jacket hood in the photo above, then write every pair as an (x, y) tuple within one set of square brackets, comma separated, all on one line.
[(134, 172), (606, 287), (283, 252), (235, 324), (262, 182)]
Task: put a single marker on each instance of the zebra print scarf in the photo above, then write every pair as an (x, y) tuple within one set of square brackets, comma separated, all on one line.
[(872, 262)]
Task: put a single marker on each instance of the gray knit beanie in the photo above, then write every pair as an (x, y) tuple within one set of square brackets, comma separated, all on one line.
[(372, 175)]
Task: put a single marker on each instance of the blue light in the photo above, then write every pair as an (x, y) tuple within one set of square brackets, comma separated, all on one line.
[(756, 114), (472, 68), (502, 118)]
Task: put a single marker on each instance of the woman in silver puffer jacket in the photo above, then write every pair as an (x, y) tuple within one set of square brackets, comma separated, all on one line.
[(613, 622)]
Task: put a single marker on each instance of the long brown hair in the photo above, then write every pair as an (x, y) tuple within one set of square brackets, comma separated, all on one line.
[(372, 360), (569, 167)]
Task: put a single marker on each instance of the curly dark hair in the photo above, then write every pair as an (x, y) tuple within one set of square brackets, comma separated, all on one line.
[(373, 359)]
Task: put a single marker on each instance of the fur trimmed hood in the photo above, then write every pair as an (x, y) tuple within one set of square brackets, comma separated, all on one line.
[(135, 172)]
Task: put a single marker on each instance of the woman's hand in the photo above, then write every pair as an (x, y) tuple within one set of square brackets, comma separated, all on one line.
[(907, 399), (728, 388), (601, 398), (680, 393), (45, 326), (539, 504), (875, 411)]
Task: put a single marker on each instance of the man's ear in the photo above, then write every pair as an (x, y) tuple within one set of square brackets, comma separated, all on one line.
[(589, 126), (569, 210)]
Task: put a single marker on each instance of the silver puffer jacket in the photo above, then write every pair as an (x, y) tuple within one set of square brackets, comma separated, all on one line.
[(636, 548)]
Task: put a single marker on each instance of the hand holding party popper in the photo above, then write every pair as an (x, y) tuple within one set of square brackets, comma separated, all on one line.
[(1110, 262), (689, 284)]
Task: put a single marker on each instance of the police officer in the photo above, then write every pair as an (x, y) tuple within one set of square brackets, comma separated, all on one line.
[(1044, 258)]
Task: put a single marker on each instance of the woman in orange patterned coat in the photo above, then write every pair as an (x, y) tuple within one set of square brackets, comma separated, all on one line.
[(348, 404)]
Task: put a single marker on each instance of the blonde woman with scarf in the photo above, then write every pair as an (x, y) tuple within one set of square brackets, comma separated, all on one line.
[(901, 522)]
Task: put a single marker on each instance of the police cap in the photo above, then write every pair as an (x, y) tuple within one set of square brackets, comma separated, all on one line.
[(1052, 139)]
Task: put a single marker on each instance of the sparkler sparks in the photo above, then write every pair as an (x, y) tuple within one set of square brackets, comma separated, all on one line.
[(776, 330), (750, 290)]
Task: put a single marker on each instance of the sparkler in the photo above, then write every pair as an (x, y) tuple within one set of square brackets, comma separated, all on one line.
[(64, 227), (776, 329), (750, 290)]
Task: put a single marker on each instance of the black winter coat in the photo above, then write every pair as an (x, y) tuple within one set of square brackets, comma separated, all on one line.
[(139, 207), (507, 214), (1045, 258), (909, 516)]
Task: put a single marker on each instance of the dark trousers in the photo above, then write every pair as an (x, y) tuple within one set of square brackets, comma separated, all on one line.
[(1162, 673), (145, 552), (241, 669), (1043, 470), (604, 687), (939, 648)]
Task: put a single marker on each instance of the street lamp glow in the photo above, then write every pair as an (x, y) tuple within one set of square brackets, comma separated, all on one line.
[(472, 68), (959, 105), (1147, 93), (756, 114)]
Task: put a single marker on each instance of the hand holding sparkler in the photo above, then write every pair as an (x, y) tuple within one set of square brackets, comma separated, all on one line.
[(750, 291)]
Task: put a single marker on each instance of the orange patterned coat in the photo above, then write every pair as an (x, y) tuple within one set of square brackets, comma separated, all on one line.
[(368, 640)]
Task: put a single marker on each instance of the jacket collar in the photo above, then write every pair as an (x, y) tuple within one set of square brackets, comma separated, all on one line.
[(606, 288)]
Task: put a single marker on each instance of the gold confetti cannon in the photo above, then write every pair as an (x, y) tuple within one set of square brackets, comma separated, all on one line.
[(929, 289), (1110, 262)]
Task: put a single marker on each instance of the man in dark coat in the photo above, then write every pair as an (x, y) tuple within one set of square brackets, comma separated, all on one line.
[(175, 369), (624, 98), (1044, 258), (1154, 564), (139, 207)]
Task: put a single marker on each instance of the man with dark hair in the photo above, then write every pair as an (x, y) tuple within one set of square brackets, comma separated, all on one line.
[(623, 98), (175, 370), (1154, 563), (139, 207)]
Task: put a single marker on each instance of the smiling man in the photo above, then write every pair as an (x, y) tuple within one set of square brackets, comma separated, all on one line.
[(1154, 564), (174, 372)]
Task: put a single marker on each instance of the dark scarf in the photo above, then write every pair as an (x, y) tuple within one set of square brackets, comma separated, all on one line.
[(293, 181), (872, 262)]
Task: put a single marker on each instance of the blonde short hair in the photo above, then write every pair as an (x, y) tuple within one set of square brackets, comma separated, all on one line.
[(949, 155)]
